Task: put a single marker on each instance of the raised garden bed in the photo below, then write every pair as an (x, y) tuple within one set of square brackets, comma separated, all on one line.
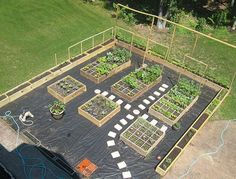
[(170, 158), (99, 110), (66, 89), (174, 104), (137, 83), (187, 137), (142, 136), (104, 67)]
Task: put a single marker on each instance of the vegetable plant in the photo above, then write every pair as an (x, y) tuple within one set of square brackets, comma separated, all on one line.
[(131, 81), (57, 107)]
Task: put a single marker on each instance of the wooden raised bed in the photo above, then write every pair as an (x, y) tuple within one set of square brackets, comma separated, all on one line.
[(89, 71), (71, 89), (165, 164), (122, 90), (83, 110), (142, 136), (164, 118)]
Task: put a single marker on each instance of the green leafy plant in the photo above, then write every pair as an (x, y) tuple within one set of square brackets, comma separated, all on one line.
[(127, 17), (57, 107), (176, 126), (102, 59), (201, 23), (104, 68), (149, 74), (131, 81), (118, 56)]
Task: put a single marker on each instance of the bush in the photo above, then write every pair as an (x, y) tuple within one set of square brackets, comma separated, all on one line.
[(219, 18), (127, 17), (201, 23)]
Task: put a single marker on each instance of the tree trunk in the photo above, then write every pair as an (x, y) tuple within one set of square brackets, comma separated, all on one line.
[(161, 24), (234, 25)]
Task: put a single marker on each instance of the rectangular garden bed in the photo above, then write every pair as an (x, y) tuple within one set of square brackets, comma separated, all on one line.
[(99, 110), (170, 158), (174, 104), (107, 66), (66, 89), (142, 136), (137, 83)]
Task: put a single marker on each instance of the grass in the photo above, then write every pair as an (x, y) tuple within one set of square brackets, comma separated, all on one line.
[(33, 31)]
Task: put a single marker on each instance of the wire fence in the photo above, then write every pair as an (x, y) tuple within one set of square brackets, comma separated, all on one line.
[(199, 53), (89, 43)]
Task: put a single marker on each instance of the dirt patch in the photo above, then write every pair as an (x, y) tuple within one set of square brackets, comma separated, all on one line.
[(217, 166), (8, 137)]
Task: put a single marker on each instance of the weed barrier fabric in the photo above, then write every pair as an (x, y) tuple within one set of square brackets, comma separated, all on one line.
[(74, 138)]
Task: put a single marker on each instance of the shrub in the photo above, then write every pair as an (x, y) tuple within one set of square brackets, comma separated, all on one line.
[(127, 17), (201, 23), (131, 81)]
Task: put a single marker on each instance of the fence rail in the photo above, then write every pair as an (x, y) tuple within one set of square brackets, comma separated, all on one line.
[(90, 42)]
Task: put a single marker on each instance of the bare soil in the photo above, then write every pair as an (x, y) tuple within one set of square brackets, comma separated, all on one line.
[(218, 166)]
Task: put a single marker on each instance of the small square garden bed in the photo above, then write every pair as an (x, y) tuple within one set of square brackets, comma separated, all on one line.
[(137, 83), (142, 136), (174, 104), (104, 67), (99, 110), (66, 89)]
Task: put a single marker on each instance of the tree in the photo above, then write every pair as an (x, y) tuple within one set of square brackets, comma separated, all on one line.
[(165, 9)]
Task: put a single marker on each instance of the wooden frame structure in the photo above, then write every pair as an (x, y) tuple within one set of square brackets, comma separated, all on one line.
[(92, 119), (134, 146), (67, 98), (104, 77)]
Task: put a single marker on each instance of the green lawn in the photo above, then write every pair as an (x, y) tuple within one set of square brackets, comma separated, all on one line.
[(32, 31)]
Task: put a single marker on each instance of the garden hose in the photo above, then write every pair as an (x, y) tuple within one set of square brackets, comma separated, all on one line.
[(39, 164)]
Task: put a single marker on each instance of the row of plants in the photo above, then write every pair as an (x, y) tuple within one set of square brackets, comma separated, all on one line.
[(138, 82), (112, 60), (106, 65), (99, 107), (137, 41), (66, 89), (177, 100), (146, 75), (67, 86), (99, 110)]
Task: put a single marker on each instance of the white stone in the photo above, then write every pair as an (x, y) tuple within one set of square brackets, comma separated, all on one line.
[(104, 93), (136, 112), (112, 134), (111, 97), (110, 143), (121, 165), (151, 98), (142, 107), (130, 117), (154, 122), (119, 101), (127, 106), (123, 122), (145, 116), (97, 91), (146, 101), (164, 128), (118, 127), (164, 85), (126, 174), (157, 93), (115, 154), (162, 89)]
